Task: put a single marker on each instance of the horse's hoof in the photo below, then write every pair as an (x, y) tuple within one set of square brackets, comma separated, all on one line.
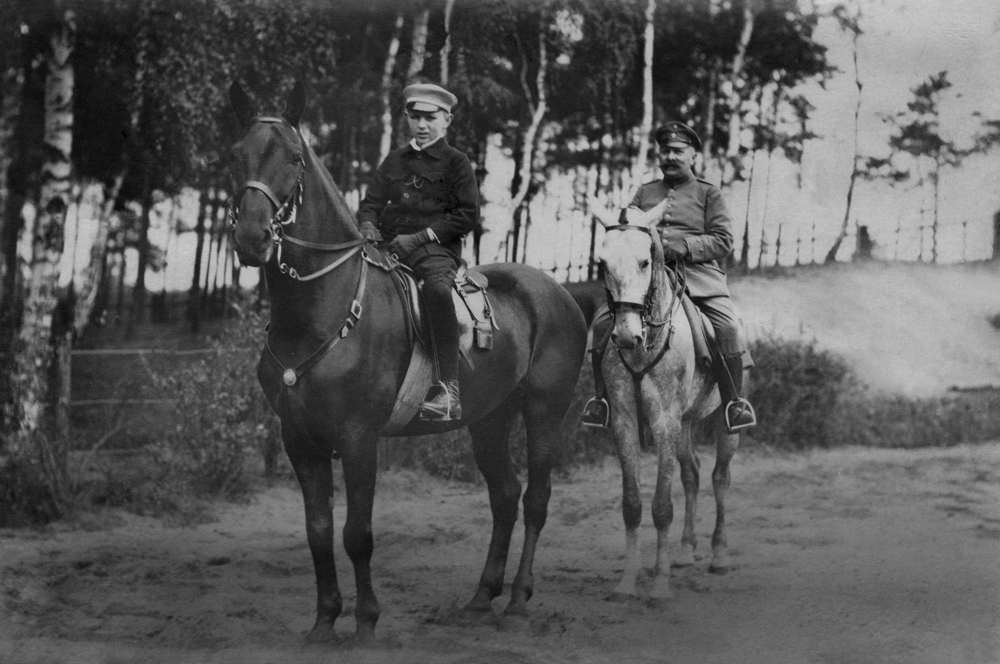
[(684, 558), (320, 634), (660, 602), (364, 634), (516, 623), (472, 615), (620, 597)]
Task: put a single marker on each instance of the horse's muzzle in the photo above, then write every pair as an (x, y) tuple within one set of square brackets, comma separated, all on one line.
[(253, 249), (628, 332)]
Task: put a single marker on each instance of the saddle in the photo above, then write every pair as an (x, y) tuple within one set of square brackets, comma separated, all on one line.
[(702, 332), (476, 324)]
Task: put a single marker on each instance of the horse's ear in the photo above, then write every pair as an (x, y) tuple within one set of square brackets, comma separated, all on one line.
[(600, 213), (296, 103), (241, 104)]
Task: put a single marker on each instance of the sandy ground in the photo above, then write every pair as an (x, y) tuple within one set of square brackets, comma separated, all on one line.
[(851, 556)]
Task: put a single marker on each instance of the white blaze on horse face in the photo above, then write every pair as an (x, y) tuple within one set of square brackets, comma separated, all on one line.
[(627, 274)]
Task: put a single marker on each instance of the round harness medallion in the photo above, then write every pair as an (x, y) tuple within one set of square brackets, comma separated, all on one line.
[(289, 378)]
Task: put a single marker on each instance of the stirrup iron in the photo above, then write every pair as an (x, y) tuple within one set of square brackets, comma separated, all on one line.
[(736, 409), (596, 413)]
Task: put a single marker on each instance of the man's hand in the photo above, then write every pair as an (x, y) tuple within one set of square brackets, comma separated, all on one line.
[(674, 249), (369, 232), (404, 245)]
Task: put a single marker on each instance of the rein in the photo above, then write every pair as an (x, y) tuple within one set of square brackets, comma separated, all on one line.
[(285, 214), (646, 309)]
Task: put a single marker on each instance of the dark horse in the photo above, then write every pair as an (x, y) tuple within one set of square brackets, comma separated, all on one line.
[(338, 348)]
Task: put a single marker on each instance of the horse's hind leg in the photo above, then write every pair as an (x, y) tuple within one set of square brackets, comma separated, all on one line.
[(543, 414), (726, 445), (687, 457), (315, 477), (489, 442)]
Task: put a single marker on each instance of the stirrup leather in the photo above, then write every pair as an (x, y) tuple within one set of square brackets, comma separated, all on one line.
[(736, 410), (596, 413)]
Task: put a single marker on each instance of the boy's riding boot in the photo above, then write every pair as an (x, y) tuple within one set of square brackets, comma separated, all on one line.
[(443, 403), (740, 414)]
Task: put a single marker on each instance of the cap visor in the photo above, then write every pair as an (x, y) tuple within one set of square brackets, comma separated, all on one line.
[(423, 106)]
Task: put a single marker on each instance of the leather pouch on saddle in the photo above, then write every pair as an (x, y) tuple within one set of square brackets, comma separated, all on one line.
[(468, 283)]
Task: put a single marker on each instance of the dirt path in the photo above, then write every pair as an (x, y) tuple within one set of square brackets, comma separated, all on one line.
[(846, 556)]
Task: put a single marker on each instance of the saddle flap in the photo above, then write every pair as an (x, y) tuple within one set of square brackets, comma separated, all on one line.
[(470, 280)]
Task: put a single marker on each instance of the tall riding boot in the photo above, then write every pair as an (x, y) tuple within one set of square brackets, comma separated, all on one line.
[(443, 402), (597, 412), (739, 413)]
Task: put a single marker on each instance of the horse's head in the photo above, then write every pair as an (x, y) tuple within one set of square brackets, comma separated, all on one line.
[(267, 170), (631, 256)]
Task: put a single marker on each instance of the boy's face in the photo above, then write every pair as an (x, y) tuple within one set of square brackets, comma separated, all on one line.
[(427, 126)]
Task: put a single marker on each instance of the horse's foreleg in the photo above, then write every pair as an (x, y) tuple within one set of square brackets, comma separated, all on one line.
[(687, 456), (489, 444), (359, 480), (726, 446), (315, 477), (626, 434), (669, 430), (542, 416)]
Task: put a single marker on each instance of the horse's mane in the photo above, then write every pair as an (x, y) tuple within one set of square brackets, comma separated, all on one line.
[(330, 189)]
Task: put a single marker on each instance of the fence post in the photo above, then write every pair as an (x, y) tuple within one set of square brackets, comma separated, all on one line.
[(996, 235)]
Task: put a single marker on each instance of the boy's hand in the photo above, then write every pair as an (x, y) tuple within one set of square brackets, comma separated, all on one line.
[(404, 245), (370, 232)]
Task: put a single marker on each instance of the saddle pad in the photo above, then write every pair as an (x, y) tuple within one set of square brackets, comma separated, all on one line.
[(701, 331), (419, 374)]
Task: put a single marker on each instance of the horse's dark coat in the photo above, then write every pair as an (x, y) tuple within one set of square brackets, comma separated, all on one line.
[(340, 402)]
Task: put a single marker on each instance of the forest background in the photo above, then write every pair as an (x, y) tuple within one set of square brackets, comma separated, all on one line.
[(837, 130)]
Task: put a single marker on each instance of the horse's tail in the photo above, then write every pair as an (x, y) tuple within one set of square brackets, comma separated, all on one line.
[(588, 295)]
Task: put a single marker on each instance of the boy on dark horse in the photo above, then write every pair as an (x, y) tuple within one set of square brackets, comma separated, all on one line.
[(697, 233), (423, 200)]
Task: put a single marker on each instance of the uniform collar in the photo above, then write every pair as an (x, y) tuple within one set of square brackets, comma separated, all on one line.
[(434, 149), (678, 180)]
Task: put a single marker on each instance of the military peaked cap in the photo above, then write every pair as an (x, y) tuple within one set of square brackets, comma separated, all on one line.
[(428, 97), (677, 132)]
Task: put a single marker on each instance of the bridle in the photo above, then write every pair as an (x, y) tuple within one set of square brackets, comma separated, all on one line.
[(644, 308), (285, 214)]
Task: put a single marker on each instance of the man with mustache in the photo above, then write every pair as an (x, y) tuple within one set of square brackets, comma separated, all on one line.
[(697, 232), (424, 198)]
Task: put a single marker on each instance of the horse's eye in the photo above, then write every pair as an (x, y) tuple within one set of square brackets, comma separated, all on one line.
[(643, 264)]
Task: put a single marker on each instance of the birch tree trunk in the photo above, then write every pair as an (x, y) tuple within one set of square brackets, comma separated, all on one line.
[(646, 128), (449, 7), (734, 96), (385, 144), (418, 41), (33, 352), (831, 255), (538, 108)]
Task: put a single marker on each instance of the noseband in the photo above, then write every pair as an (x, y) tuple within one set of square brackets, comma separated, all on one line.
[(645, 308), (285, 214)]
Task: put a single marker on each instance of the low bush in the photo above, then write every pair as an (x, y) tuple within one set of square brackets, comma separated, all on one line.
[(223, 425), (799, 392)]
